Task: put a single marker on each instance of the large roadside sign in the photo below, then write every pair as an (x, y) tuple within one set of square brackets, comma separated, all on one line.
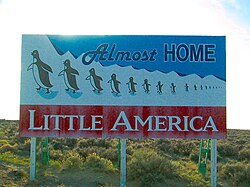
[(123, 86)]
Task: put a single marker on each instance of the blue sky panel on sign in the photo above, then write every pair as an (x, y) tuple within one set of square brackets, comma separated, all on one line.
[(201, 55)]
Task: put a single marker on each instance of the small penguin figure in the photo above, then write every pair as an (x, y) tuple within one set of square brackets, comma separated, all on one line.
[(159, 87), (131, 85), (186, 87), (173, 88), (95, 80), (114, 84), (195, 87), (40, 72), (69, 75), (146, 86)]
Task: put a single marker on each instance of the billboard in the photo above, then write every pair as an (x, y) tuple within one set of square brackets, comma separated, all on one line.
[(123, 86)]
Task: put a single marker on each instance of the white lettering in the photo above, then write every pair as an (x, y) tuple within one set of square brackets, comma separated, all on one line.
[(176, 124), (57, 120), (191, 123), (71, 121), (185, 123), (158, 123), (139, 120), (212, 124), (123, 116), (32, 123), (94, 122), (46, 122), (82, 128)]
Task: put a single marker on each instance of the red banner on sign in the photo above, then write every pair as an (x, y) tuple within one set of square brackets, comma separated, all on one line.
[(123, 121)]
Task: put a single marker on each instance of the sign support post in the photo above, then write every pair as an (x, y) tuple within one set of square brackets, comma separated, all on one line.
[(214, 163), (123, 163), (119, 153), (33, 159)]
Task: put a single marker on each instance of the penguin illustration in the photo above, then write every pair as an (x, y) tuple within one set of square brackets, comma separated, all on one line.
[(159, 87), (40, 72), (95, 80), (131, 85), (186, 87), (146, 86), (173, 87), (69, 75), (195, 87), (114, 83)]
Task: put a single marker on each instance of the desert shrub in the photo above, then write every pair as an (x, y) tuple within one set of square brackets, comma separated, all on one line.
[(194, 156), (17, 174), (149, 167), (72, 160), (176, 147), (227, 150), (7, 147), (90, 150), (2, 142), (94, 161), (57, 145), (183, 148), (82, 143), (56, 155), (238, 172), (23, 149), (70, 142), (110, 154), (12, 158), (244, 154)]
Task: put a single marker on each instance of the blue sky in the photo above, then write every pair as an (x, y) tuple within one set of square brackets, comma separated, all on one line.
[(240, 8), (230, 18)]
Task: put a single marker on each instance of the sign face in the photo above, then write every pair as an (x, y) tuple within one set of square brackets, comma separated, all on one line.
[(123, 86)]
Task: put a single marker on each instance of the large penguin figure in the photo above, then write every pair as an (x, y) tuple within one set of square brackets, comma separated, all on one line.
[(114, 84), (131, 85), (146, 86), (95, 80), (69, 75), (40, 72)]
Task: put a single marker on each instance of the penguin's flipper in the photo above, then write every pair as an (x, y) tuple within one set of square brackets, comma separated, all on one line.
[(109, 81), (88, 77), (74, 71), (61, 73), (47, 67), (100, 78), (30, 66)]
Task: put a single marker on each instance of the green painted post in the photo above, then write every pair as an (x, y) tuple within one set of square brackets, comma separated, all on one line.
[(203, 156), (45, 150)]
